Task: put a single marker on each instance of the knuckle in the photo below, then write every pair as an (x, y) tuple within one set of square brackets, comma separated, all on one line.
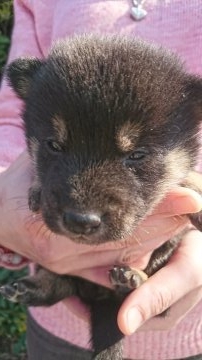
[(161, 300), (129, 256)]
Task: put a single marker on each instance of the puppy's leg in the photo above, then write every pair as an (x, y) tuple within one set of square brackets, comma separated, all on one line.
[(114, 352), (44, 288), (106, 336), (162, 254)]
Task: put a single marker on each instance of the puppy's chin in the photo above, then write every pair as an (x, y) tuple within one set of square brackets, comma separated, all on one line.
[(100, 237), (93, 239), (83, 239)]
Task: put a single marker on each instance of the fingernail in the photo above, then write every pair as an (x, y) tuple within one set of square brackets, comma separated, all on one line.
[(134, 320)]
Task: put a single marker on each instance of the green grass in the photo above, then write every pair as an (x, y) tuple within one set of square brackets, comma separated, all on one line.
[(6, 22), (12, 321), (12, 316)]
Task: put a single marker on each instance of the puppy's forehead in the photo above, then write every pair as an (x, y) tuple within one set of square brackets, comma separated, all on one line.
[(118, 71), (112, 85)]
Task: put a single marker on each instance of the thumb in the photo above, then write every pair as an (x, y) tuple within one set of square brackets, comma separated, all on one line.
[(180, 276)]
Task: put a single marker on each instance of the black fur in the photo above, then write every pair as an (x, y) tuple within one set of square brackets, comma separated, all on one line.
[(111, 125)]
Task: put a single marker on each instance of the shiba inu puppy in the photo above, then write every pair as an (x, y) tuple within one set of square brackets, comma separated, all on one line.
[(111, 125)]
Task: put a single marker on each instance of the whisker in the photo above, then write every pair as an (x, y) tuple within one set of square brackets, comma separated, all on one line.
[(178, 217), (22, 207), (39, 230), (52, 234), (35, 217), (138, 240), (31, 221), (22, 203), (145, 231)]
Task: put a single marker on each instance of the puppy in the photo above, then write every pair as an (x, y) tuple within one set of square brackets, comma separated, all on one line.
[(111, 125)]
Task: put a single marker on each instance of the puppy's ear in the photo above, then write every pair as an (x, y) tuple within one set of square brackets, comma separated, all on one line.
[(20, 74)]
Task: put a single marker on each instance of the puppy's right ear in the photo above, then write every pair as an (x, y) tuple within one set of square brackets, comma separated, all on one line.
[(20, 74)]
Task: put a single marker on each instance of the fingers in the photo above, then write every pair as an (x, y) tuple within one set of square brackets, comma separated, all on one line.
[(61, 255), (176, 313), (167, 286), (180, 201)]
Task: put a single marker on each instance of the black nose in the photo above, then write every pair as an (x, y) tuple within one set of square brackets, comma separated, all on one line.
[(81, 223)]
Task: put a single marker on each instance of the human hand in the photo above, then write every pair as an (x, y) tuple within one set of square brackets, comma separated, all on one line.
[(177, 286), (29, 236)]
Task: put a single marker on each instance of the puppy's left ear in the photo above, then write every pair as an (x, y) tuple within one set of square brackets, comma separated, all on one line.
[(20, 74)]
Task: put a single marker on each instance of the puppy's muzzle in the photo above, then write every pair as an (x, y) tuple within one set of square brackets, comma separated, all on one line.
[(78, 223)]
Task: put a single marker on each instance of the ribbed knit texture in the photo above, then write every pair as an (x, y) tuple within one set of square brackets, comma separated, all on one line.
[(176, 24)]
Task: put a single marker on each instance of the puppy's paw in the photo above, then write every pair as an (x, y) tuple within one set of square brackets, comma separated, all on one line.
[(34, 199), (24, 291), (14, 292), (124, 279)]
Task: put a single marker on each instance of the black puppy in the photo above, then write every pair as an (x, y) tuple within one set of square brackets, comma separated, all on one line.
[(111, 126)]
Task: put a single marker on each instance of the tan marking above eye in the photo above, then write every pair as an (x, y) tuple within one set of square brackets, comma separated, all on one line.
[(127, 136), (125, 143), (60, 129)]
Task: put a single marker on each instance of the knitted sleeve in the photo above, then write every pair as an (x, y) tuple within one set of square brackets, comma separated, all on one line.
[(24, 43)]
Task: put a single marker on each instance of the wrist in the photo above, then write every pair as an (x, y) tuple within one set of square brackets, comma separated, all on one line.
[(8, 258)]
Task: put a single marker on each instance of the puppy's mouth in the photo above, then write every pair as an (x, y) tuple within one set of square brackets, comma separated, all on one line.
[(81, 238), (98, 236), (101, 236), (90, 227)]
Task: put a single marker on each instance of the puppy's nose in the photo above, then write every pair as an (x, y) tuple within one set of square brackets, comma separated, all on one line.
[(82, 223)]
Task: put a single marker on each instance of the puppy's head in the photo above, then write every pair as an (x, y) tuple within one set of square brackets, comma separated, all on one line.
[(111, 124)]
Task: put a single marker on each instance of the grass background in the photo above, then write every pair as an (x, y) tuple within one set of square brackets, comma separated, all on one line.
[(6, 23), (12, 316)]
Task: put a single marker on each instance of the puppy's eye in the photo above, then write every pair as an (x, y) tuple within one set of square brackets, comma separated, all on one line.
[(53, 146), (136, 157)]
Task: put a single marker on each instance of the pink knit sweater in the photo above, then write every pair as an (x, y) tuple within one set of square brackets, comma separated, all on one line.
[(176, 24)]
